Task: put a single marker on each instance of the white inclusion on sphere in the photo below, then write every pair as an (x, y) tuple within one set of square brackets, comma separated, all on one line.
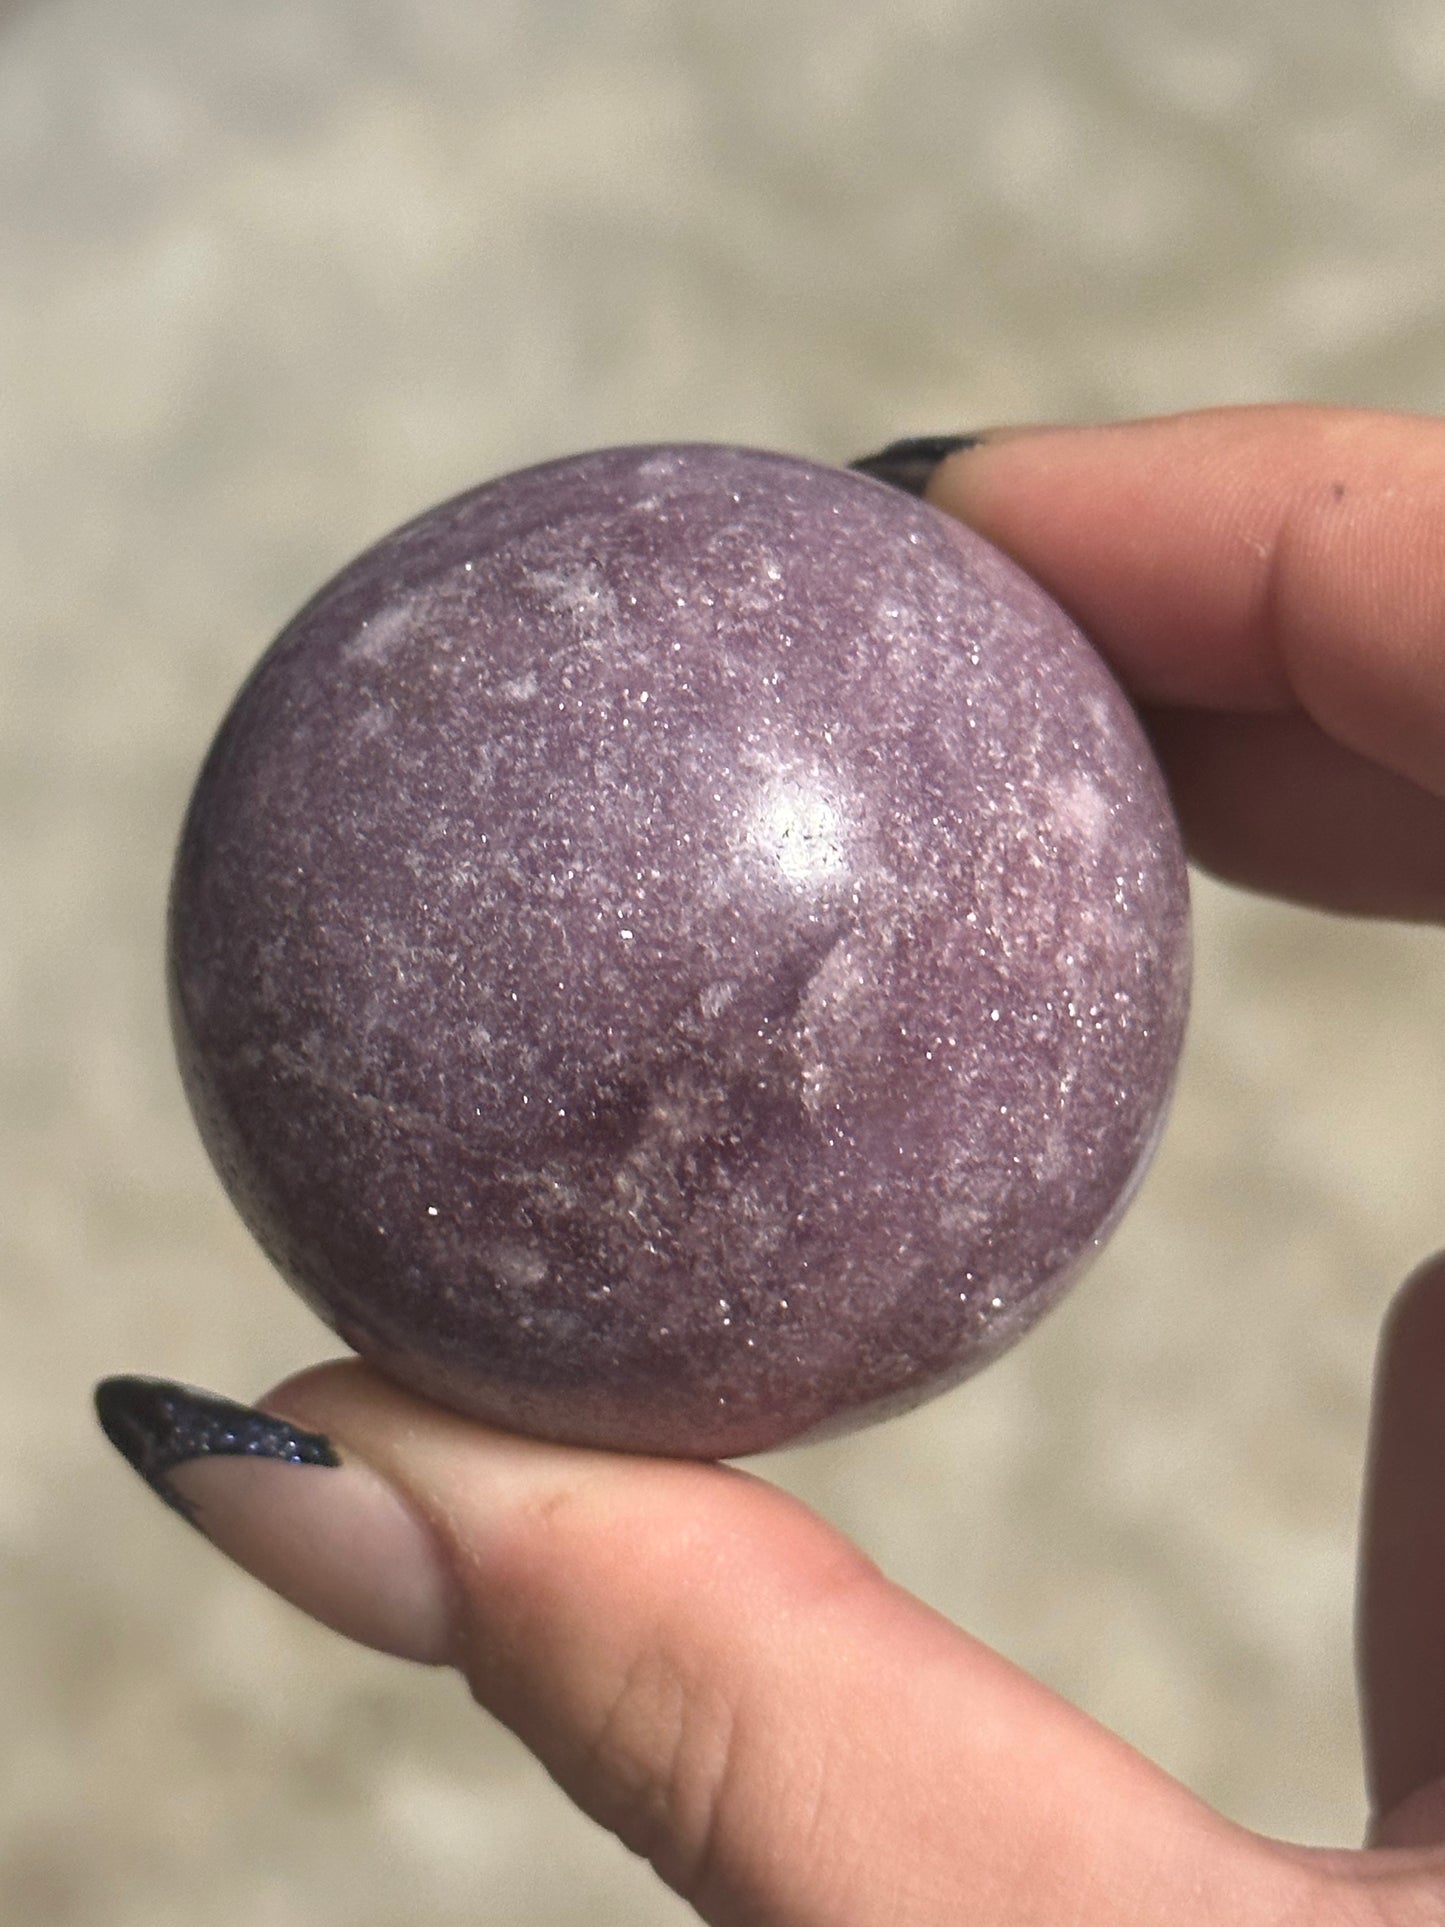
[(382, 634), (1083, 810), (798, 832)]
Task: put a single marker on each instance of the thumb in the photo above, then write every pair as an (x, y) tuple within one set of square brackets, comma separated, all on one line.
[(1402, 1571), (705, 1667)]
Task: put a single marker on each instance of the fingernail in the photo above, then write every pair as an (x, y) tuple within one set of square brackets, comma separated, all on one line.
[(909, 464), (319, 1527)]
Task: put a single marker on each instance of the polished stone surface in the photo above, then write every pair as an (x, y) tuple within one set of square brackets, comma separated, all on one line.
[(276, 274), (680, 949)]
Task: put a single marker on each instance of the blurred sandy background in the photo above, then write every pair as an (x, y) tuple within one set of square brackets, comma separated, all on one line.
[(275, 275)]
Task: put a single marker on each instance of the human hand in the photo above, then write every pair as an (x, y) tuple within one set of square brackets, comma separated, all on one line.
[(711, 1671)]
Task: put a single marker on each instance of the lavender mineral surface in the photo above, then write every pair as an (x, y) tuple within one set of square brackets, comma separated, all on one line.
[(680, 949)]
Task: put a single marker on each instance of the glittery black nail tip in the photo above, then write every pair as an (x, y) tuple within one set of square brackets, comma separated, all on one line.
[(158, 1425), (908, 464)]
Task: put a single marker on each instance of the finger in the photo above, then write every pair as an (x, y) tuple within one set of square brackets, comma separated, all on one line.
[(1271, 802), (718, 1677), (1243, 559), (1401, 1619)]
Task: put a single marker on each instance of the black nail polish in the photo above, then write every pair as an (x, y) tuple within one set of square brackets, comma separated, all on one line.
[(158, 1425), (908, 464)]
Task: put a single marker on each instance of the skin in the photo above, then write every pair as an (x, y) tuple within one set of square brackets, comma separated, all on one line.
[(713, 1672)]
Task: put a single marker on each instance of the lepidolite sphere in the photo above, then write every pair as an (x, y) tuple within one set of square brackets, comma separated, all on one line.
[(680, 949)]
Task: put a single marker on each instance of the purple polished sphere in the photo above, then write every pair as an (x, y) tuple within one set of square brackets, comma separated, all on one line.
[(680, 949)]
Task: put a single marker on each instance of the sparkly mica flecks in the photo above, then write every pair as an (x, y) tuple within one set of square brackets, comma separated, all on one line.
[(680, 949)]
